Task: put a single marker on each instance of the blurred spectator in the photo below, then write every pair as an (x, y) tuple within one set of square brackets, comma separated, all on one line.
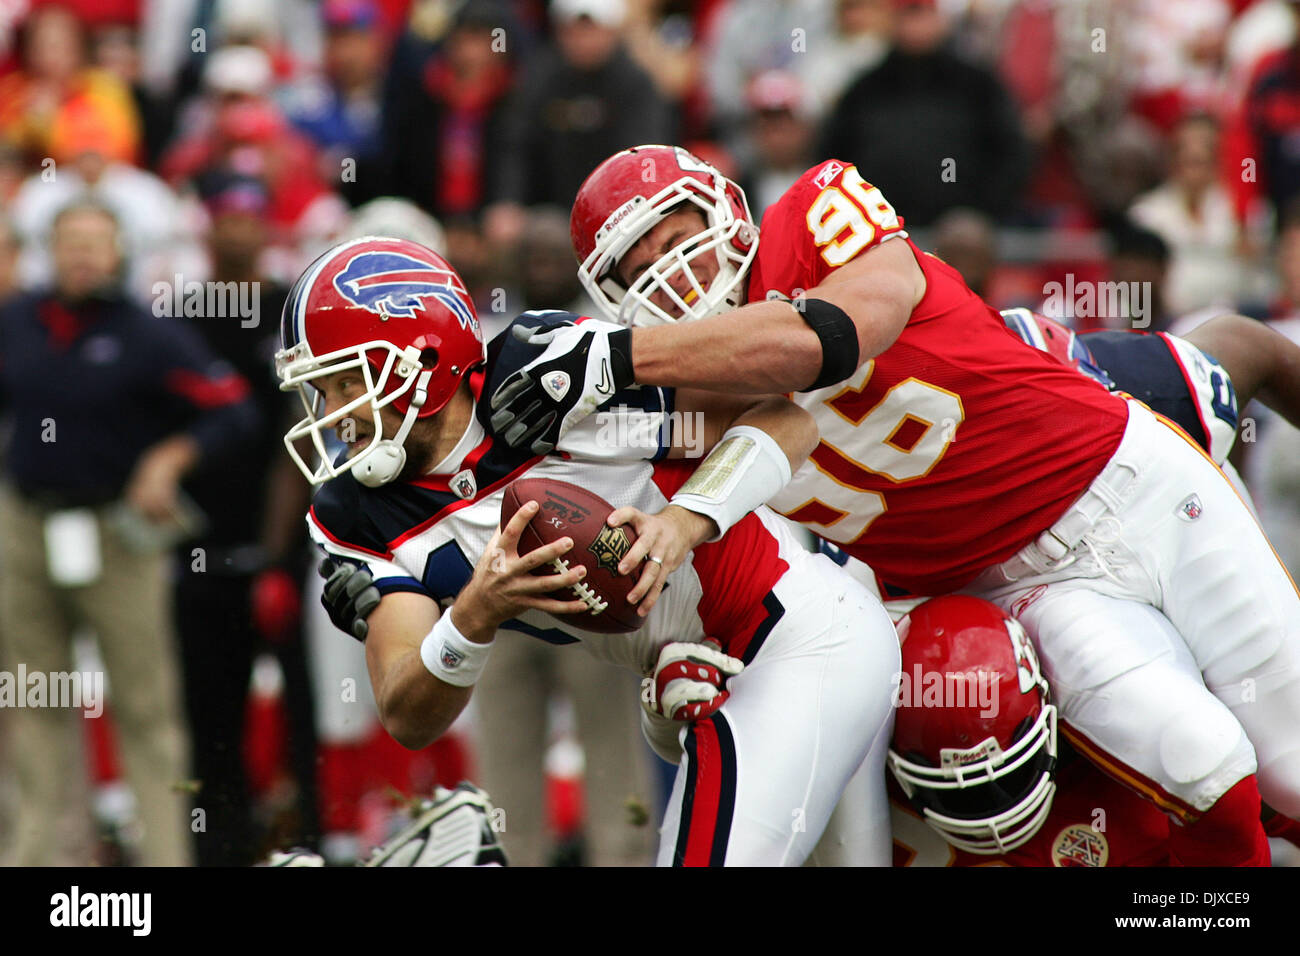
[(241, 130), (1177, 51), (397, 218), (1140, 260), (12, 172), (1193, 214), (340, 109), (110, 408), (155, 237), (857, 42), (931, 130), (659, 39), (967, 240), (117, 52), (178, 36), (513, 693), (443, 132), (9, 247), (1287, 306), (751, 36), (782, 139), (57, 96), (244, 597), (575, 105), (1271, 121), (486, 271)]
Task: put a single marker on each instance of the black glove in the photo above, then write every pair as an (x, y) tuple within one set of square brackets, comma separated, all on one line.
[(581, 369), (350, 595)]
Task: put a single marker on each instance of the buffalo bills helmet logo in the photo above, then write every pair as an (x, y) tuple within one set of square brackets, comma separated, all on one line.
[(395, 284)]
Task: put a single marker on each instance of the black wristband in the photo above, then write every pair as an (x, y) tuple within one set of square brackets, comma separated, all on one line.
[(620, 359), (838, 336)]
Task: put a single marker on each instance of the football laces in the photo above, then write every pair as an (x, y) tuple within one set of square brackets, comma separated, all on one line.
[(585, 592)]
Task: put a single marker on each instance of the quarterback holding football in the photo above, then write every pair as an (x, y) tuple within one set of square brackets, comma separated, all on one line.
[(381, 341)]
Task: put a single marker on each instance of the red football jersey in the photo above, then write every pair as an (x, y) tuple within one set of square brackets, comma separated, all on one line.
[(955, 447), (1093, 822)]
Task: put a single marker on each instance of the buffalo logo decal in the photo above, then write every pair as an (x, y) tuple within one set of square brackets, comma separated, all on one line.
[(393, 284)]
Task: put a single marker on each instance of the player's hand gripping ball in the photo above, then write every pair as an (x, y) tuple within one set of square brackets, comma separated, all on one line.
[(568, 510)]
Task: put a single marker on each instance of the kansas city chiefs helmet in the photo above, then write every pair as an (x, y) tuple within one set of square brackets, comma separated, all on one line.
[(396, 313), (632, 192), (974, 746)]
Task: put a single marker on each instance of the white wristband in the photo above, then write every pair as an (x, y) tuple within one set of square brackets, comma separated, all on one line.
[(452, 657), (744, 470)]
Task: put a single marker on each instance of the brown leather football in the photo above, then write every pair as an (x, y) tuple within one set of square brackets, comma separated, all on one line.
[(568, 510)]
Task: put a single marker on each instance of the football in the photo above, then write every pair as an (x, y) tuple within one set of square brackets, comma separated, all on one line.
[(568, 510)]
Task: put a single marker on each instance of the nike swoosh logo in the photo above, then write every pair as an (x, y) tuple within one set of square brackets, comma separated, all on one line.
[(605, 387)]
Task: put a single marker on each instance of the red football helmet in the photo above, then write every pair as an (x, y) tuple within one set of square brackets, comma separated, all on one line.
[(402, 316), (974, 744), (627, 196)]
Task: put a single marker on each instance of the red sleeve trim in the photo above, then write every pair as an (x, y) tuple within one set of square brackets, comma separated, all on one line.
[(204, 392)]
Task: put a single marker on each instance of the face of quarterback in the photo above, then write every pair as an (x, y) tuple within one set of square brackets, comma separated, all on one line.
[(358, 429), (676, 229), (429, 440)]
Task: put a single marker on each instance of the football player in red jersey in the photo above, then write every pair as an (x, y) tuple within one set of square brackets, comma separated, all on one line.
[(952, 458), (979, 782)]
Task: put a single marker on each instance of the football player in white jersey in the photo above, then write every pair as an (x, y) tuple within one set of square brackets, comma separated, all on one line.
[(381, 340)]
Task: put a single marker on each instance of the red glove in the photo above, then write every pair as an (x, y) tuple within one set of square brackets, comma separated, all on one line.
[(277, 604), (689, 680)]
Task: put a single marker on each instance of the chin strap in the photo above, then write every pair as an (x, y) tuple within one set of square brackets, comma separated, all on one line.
[(385, 460)]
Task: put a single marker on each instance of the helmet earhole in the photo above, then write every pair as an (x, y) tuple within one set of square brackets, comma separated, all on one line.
[(429, 358)]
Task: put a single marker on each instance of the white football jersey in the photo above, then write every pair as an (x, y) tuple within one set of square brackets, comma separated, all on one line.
[(427, 535)]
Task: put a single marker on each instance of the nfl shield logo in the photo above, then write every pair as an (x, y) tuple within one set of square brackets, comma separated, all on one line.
[(463, 484), (556, 385), (610, 547), (1190, 509), (450, 658)]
